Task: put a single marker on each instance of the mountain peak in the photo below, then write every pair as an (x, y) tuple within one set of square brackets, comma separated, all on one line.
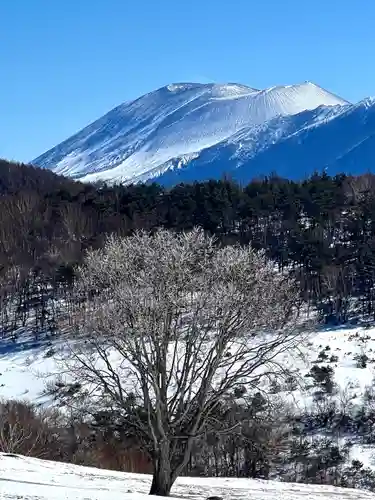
[(223, 89), (176, 87)]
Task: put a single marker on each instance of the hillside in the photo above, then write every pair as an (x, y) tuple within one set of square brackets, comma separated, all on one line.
[(26, 478), (28, 367), (18, 178), (321, 229), (168, 130)]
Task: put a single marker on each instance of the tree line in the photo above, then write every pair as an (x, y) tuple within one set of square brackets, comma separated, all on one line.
[(321, 229)]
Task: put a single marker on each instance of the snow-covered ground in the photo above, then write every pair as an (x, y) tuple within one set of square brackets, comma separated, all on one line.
[(25, 369), (340, 349), (25, 478)]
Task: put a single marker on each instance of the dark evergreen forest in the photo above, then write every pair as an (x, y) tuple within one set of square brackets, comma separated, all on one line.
[(322, 229)]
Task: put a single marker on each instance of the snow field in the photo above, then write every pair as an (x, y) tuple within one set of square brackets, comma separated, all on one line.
[(24, 478)]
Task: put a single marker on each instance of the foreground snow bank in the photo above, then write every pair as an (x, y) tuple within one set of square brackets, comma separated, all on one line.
[(26, 478)]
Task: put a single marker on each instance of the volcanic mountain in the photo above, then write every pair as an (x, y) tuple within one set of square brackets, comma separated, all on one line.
[(189, 131)]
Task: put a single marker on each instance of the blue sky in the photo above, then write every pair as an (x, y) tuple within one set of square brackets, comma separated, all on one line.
[(64, 63)]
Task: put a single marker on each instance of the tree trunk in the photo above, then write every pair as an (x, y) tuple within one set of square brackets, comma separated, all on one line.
[(161, 482), (162, 479)]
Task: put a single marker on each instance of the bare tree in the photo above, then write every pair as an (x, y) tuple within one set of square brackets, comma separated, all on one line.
[(24, 431), (358, 187), (75, 223), (171, 326)]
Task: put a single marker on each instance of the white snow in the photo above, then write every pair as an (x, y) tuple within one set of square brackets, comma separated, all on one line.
[(24, 478), (25, 372), (136, 139), (23, 375), (344, 344)]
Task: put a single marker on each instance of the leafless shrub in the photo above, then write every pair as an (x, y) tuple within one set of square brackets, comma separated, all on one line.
[(24, 430)]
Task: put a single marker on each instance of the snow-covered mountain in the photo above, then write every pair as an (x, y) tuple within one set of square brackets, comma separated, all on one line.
[(187, 131)]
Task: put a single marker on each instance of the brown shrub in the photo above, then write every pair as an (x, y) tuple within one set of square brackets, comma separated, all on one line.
[(26, 430)]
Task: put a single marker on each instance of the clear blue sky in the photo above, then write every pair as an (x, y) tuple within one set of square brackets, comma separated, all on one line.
[(64, 63)]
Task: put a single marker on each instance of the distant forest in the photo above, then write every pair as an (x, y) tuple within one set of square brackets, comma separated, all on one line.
[(322, 229)]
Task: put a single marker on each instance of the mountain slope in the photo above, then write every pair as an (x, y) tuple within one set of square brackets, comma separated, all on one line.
[(144, 138), (337, 139)]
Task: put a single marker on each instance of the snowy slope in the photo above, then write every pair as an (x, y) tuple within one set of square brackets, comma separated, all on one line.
[(24, 372), (25, 478), (337, 139), (143, 139)]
